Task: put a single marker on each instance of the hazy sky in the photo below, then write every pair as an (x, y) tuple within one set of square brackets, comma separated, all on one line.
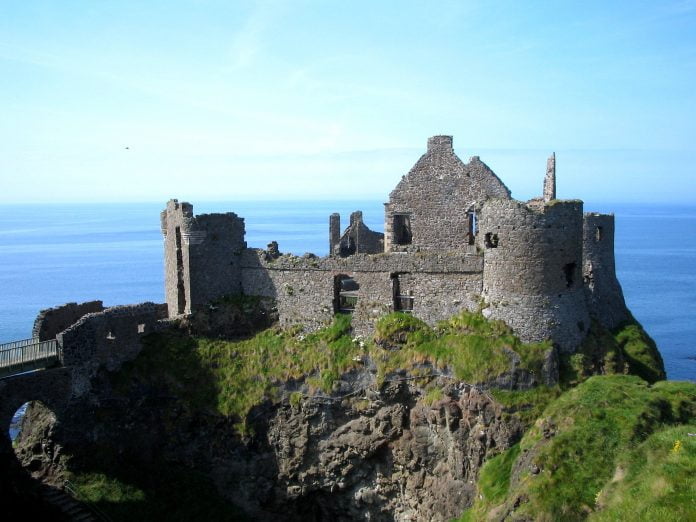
[(146, 100)]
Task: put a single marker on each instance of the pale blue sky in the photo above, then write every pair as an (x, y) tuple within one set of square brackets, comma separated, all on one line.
[(222, 100)]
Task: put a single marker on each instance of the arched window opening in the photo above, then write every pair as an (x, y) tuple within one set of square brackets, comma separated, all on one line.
[(598, 234)]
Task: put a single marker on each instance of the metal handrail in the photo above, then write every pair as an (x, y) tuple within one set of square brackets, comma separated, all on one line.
[(19, 354)]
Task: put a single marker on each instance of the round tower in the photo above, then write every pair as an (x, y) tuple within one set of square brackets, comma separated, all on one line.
[(532, 275)]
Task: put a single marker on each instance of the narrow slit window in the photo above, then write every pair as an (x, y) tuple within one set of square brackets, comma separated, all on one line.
[(569, 273), (402, 301)]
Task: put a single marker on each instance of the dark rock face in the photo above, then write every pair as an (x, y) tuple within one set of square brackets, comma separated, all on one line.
[(387, 457), (376, 454)]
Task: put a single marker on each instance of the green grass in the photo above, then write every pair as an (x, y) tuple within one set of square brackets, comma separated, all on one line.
[(655, 481), (528, 405), (640, 351), (162, 492), (626, 350), (476, 349), (493, 484), (581, 436), (230, 378)]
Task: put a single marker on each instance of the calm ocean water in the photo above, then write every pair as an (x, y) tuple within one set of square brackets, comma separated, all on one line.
[(52, 254)]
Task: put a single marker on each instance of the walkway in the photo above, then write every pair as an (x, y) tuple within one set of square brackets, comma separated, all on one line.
[(27, 355)]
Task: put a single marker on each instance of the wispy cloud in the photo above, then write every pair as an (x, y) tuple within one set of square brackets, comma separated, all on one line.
[(249, 41)]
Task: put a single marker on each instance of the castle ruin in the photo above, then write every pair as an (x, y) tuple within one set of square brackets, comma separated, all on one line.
[(454, 239)]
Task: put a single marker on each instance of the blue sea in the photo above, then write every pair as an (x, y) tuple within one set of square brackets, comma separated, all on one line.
[(53, 254)]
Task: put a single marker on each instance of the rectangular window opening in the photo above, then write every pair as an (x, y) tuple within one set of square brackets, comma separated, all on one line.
[(402, 229)]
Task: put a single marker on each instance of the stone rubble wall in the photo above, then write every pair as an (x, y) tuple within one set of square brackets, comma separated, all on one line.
[(532, 276), (358, 235), (437, 194), (604, 294), (107, 339), (441, 284), (52, 321)]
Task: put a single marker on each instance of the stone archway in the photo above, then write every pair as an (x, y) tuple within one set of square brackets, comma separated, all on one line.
[(52, 388)]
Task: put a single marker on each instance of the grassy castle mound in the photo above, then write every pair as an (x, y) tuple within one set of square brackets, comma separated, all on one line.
[(604, 437)]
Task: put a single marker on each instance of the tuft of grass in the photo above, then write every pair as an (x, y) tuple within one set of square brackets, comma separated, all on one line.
[(96, 488), (641, 352), (493, 484), (527, 405), (626, 350), (162, 492), (433, 395), (476, 349), (654, 481), (572, 450)]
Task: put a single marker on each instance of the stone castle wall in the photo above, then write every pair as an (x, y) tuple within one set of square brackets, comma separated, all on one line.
[(52, 321), (107, 339), (604, 295), (441, 285), (436, 196), (356, 239), (532, 276)]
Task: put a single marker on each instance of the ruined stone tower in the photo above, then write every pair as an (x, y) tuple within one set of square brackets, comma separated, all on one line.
[(604, 294), (550, 179), (532, 271), (201, 256)]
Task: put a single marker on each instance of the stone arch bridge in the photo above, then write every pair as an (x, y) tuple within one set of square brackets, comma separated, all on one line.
[(69, 344)]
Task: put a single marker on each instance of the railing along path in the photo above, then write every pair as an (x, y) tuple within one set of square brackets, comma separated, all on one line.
[(26, 355)]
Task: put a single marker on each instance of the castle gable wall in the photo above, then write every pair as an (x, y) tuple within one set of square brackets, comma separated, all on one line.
[(435, 198)]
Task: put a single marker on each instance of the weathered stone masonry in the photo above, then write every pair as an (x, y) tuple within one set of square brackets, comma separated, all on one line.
[(97, 339), (454, 239)]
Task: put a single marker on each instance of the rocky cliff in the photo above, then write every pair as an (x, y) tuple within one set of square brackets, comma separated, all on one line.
[(291, 427)]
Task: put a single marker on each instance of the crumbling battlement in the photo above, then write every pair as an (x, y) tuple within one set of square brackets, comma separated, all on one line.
[(94, 340), (454, 239), (52, 321)]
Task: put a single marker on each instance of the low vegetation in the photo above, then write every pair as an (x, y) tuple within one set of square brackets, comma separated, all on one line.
[(148, 492), (231, 377), (626, 350), (607, 448)]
